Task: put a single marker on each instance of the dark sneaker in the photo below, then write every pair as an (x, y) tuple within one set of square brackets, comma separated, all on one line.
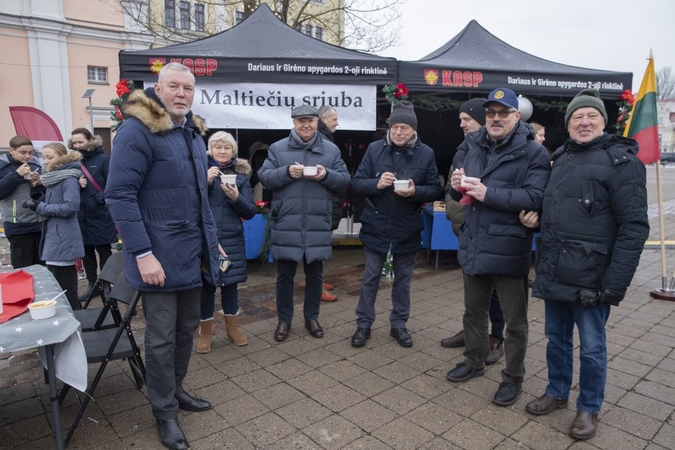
[(507, 394), (454, 341), (402, 337), (360, 337), (463, 372)]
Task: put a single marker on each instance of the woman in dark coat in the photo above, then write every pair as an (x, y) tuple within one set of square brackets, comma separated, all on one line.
[(230, 204), (61, 242), (98, 229)]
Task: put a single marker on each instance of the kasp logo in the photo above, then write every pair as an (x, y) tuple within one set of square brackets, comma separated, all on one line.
[(431, 76), (157, 64)]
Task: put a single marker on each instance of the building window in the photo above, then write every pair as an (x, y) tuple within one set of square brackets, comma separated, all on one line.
[(170, 13), (184, 15), (307, 29), (97, 74), (320, 2), (318, 33), (238, 17), (199, 17)]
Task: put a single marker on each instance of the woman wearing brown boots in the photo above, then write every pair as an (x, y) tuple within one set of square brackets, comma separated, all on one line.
[(231, 200)]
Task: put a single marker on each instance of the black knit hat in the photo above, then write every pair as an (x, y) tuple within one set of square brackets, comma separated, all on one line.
[(585, 99), (475, 109), (403, 112)]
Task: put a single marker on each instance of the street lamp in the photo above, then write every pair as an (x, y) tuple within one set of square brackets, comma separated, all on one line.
[(89, 93)]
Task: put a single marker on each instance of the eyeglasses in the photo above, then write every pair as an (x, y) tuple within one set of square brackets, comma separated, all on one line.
[(503, 114)]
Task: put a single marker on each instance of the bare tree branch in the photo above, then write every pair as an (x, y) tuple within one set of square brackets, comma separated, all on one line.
[(665, 84), (366, 25)]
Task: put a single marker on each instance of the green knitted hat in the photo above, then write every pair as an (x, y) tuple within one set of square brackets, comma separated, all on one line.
[(586, 98)]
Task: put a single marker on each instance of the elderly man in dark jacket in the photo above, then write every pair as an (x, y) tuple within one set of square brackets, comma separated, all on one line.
[(509, 172), (593, 227), (157, 195), (392, 218), (303, 171)]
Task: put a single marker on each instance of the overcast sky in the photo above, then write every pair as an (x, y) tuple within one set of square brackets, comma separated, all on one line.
[(598, 34)]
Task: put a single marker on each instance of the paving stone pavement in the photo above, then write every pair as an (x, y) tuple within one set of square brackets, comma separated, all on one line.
[(309, 393)]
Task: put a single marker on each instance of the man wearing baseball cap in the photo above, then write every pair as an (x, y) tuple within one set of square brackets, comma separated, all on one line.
[(471, 119), (594, 225), (509, 173), (301, 224)]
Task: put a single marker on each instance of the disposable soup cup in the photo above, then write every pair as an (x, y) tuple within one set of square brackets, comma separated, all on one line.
[(43, 309), (400, 185), (309, 171), (230, 179)]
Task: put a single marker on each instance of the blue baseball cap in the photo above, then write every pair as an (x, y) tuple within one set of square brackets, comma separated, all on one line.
[(504, 96)]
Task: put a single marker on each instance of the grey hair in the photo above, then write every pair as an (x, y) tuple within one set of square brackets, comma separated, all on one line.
[(178, 67), (223, 136), (325, 109)]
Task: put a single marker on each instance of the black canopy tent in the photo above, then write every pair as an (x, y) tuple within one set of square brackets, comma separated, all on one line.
[(264, 49), (476, 61)]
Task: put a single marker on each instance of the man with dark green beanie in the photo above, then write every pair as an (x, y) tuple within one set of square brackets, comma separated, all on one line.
[(593, 228)]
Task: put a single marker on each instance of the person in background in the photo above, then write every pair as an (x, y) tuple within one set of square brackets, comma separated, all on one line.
[(509, 172), (98, 229), (539, 132), (301, 223), (61, 242), (392, 219), (20, 180), (230, 204), (157, 194), (594, 224), (471, 119), (328, 123)]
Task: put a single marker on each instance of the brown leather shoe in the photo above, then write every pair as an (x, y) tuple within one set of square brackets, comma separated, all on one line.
[(545, 404), (584, 425), (314, 328), (281, 333), (455, 341), (496, 351)]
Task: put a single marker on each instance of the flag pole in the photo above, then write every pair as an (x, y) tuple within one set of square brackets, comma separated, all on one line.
[(667, 292)]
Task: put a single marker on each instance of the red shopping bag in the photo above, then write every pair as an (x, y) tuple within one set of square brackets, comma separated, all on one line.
[(17, 293)]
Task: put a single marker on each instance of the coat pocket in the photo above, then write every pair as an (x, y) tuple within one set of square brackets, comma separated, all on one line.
[(580, 264)]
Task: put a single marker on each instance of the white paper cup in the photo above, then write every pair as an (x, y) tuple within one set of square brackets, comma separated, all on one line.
[(465, 179), (309, 171), (42, 310), (230, 179), (400, 185)]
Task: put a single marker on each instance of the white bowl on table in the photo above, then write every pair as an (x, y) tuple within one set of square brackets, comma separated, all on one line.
[(43, 309)]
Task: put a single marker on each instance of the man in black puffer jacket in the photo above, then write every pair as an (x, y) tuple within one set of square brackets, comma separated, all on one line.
[(510, 171), (392, 218), (593, 228)]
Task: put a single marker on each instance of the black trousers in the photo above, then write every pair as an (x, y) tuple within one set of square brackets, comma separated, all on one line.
[(24, 249), (67, 278), (171, 321), (89, 260), (313, 288)]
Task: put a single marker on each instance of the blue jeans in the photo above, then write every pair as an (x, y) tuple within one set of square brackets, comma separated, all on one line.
[(560, 320), (229, 300)]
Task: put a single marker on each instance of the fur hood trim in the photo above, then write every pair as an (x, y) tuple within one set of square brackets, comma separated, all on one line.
[(91, 144), (70, 157), (243, 167), (153, 114)]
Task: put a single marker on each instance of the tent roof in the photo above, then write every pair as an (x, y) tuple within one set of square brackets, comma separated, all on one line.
[(263, 48), (476, 60)]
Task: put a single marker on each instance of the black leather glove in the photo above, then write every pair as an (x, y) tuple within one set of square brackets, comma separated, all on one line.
[(590, 298), (30, 204)]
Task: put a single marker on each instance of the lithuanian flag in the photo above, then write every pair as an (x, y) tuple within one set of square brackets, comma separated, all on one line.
[(642, 124)]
